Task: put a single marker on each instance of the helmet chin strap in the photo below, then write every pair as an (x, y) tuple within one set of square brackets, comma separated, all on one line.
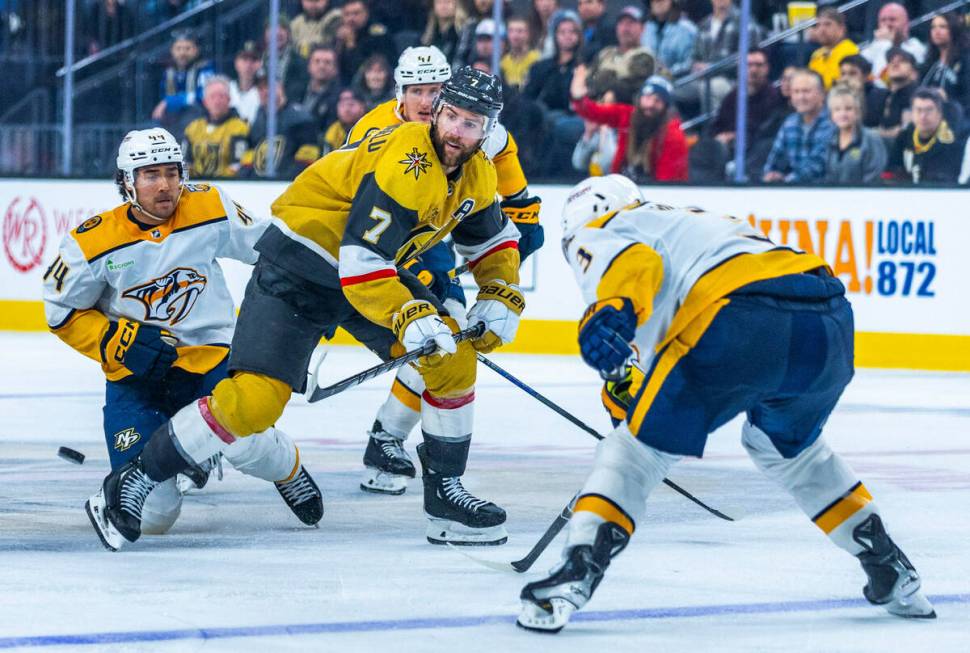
[(133, 198)]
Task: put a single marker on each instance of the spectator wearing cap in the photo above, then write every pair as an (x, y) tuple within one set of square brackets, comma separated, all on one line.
[(670, 36), (799, 152), (856, 155), (183, 81), (443, 28), (485, 33), (295, 146), (316, 24), (829, 33), (475, 12), (598, 31), (927, 151), (622, 68), (374, 81), (516, 62), (358, 37), (650, 143), (243, 94), (291, 66), (319, 99), (350, 109), (855, 70), (892, 31), (216, 142), (901, 78), (948, 60)]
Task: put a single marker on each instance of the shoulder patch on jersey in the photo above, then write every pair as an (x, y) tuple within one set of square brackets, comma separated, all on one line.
[(416, 162), (89, 224), (197, 188), (170, 297)]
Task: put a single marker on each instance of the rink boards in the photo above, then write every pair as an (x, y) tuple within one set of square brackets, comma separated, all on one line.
[(902, 254)]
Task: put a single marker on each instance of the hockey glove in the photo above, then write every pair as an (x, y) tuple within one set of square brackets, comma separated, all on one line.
[(436, 280), (418, 323), (618, 394), (498, 307), (605, 332), (146, 351), (524, 212)]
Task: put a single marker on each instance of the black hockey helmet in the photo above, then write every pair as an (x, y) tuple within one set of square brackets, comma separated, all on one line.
[(475, 91)]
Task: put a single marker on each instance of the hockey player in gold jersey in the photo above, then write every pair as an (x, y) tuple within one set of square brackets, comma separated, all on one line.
[(138, 290), (418, 77), (331, 257)]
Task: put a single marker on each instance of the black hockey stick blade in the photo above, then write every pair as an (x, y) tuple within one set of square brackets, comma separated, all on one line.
[(560, 522), (355, 380)]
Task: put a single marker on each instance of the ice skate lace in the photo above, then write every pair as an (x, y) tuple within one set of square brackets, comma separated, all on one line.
[(458, 495), (393, 449), (298, 490), (134, 490)]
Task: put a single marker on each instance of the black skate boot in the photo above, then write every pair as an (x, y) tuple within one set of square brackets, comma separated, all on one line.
[(303, 497), (893, 581), (115, 511), (455, 515), (547, 604), (388, 465)]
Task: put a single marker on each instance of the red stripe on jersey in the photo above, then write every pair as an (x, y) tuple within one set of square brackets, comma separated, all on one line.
[(213, 423), (448, 403), (370, 276), (508, 244)]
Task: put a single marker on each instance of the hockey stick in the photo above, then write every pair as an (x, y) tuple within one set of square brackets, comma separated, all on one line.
[(575, 420), (355, 380)]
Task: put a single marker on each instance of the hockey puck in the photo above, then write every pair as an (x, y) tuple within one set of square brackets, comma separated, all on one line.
[(70, 455)]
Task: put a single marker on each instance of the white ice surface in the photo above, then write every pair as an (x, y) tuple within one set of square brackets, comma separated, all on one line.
[(366, 580)]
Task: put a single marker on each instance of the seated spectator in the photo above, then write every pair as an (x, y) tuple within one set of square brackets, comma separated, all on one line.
[(183, 81), (350, 109), (595, 151), (855, 71), (358, 38), (901, 79), (475, 12), (485, 40), (107, 22), (948, 59), (927, 151), (624, 67), (856, 155), (516, 62), (295, 146), (374, 81), (291, 66), (598, 31), (799, 151), (650, 143), (829, 33), (670, 36), (316, 24), (892, 32), (541, 26), (766, 111), (215, 144), (443, 28), (243, 94), (319, 99), (717, 38)]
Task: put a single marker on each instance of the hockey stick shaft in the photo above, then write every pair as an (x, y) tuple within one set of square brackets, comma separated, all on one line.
[(355, 380), (579, 423)]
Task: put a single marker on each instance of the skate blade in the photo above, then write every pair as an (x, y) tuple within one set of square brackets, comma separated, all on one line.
[(443, 531), (110, 538), (378, 482), (541, 620), (914, 606)]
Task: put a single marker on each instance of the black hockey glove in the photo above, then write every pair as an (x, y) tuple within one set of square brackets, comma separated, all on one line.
[(146, 351)]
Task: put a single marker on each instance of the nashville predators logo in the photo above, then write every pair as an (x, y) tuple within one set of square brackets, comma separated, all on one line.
[(125, 440), (169, 298), (416, 162)]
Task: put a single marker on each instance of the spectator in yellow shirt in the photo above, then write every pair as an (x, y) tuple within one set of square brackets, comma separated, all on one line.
[(516, 62), (829, 32)]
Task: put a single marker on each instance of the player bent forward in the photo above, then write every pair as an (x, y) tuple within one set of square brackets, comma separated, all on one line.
[(138, 289), (330, 258), (727, 322)]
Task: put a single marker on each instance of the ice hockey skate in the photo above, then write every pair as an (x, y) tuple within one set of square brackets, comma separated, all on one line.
[(388, 466), (893, 583), (115, 511), (303, 497), (455, 515)]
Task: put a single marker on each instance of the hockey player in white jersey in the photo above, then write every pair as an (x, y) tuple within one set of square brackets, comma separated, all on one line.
[(722, 321), (138, 289)]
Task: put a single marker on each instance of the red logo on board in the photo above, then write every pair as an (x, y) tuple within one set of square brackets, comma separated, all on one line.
[(24, 234)]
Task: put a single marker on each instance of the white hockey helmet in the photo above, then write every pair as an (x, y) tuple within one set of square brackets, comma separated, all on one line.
[(420, 65), (141, 148), (594, 197)]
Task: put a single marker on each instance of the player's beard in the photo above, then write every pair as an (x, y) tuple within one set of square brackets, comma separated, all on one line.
[(448, 156)]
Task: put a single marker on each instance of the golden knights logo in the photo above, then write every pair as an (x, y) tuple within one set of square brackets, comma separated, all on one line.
[(169, 298), (416, 162), (125, 440)]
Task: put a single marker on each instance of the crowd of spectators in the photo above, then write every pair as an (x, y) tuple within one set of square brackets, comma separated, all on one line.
[(595, 87)]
